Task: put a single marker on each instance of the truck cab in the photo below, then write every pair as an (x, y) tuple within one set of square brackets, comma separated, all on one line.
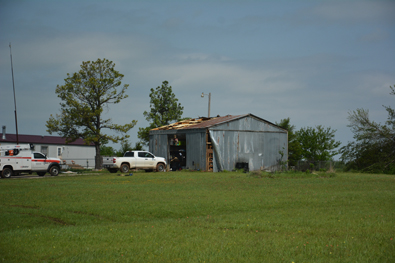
[(15, 159)]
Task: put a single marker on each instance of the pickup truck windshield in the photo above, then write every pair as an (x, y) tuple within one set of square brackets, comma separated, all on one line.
[(39, 156)]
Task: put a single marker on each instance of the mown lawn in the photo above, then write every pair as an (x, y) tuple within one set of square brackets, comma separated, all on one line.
[(198, 217)]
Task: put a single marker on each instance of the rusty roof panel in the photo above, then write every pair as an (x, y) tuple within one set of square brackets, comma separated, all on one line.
[(214, 121), (198, 123)]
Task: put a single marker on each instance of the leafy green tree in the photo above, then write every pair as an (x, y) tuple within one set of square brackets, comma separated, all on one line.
[(84, 96), (106, 150), (138, 146), (143, 134), (374, 146), (317, 144), (126, 146), (164, 110), (294, 148)]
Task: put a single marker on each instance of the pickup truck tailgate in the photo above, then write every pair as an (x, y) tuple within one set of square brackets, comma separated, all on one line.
[(108, 161)]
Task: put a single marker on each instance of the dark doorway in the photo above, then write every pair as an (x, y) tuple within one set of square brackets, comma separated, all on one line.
[(178, 154)]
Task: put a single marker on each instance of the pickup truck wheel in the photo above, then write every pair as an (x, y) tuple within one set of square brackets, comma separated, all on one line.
[(160, 167), (7, 173), (41, 173), (124, 168), (54, 171)]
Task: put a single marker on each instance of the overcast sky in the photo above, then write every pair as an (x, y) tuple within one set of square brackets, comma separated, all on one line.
[(312, 61)]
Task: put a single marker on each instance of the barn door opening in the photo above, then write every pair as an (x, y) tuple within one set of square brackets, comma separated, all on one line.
[(178, 153)]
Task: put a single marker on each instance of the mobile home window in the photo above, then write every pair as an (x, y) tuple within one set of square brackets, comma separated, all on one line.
[(44, 150)]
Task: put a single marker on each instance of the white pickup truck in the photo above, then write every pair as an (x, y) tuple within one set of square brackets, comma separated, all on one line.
[(135, 160), (15, 159)]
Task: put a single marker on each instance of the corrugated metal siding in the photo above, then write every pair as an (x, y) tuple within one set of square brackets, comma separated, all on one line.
[(274, 143), (247, 123), (158, 145), (196, 151), (255, 148)]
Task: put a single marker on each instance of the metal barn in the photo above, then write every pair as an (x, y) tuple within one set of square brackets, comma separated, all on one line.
[(221, 143)]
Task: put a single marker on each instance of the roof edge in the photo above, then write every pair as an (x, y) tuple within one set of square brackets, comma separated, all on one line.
[(204, 122)]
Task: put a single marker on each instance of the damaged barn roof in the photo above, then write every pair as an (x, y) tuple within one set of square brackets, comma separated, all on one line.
[(204, 122)]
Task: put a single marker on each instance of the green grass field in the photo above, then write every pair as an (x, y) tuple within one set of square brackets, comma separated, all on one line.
[(198, 217)]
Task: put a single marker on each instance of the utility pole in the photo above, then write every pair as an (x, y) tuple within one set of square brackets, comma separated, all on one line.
[(209, 102), (13, 86)]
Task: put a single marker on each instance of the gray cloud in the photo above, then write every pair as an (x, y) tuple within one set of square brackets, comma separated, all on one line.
[(304, 61)]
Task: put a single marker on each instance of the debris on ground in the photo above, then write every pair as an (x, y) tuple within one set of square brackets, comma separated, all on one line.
[(125, 174)]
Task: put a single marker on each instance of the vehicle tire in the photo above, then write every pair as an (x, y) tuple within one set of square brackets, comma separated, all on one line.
[(160, 167), (112, 170), (7, 173), (124, 168), (54, 171), (41, 173)]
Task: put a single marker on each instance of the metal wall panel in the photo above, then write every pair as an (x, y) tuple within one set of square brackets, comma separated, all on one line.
[(158, 145), (196, 150), (247, 123), (258, 149)]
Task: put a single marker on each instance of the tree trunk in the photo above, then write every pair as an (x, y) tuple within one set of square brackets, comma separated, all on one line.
[(98, 159)]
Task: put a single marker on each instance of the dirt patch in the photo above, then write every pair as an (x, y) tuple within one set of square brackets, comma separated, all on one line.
[(26, 206), (53, 219), (94, 215)]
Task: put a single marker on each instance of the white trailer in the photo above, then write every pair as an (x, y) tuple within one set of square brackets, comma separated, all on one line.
[(15, 159)]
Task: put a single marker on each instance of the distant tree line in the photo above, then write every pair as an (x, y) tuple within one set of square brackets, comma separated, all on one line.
[(311, 144), (372, 151), (374, 147)]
